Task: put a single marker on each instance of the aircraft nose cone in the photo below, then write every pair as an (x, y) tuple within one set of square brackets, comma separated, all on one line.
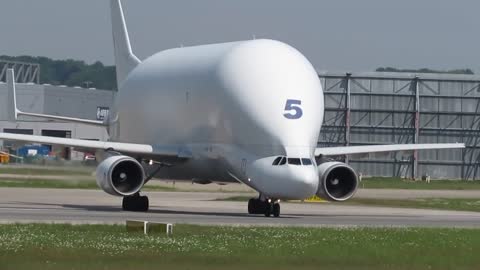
[(287, 181), (304, 181)]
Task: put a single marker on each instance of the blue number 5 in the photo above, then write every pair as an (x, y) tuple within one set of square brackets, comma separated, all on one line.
[(293, 109)]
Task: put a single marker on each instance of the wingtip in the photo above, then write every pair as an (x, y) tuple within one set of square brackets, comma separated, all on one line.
[(12, 100)]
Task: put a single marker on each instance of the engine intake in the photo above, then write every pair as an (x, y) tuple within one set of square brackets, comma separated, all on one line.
[(120, 176), (338, 181)]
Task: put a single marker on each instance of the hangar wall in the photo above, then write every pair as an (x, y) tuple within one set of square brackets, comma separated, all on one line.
[(387, 108), (57, 100)]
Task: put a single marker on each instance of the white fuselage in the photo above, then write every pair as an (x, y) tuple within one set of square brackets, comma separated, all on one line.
[(235, 107)]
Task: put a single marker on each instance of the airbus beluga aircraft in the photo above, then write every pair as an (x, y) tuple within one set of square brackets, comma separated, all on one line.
[(248, 111)]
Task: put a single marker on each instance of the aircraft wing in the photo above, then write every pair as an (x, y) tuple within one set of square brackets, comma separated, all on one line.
[(145, 149), (365, 149)]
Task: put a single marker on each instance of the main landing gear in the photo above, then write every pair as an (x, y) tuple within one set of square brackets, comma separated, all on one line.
[(267, 207), (135, 203)]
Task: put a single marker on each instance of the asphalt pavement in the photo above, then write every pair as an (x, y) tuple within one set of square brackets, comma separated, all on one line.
[(95, 206)]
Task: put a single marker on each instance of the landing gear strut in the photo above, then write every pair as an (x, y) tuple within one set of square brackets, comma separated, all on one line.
[(135, 203), (266, 207)]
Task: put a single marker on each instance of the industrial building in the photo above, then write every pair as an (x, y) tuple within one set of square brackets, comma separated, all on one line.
[(361, 108), (388, 108), (56, 100)]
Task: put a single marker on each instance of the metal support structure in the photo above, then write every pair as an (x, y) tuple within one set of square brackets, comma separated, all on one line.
[(391, 108), (347, 112), (25, 72), (416, 127)]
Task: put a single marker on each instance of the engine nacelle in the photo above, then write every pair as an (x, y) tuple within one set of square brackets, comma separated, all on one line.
[(337, 181), (120, 175)]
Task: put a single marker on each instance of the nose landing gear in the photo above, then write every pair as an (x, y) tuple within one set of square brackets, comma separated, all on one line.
[(267, 207)]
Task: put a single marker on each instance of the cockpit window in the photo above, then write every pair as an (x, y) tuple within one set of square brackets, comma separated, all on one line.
[(294, 161), (282, 160), (276, 161), (306, 161)]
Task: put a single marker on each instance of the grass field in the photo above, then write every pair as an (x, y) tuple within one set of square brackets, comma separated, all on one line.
[(85, 171), (398, 183), (379, 183), (429, 203), (371, 182), (61, 184), (196, 247), (42, 183)]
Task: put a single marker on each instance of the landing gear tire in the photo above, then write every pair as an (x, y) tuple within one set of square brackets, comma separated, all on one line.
[(276, 209), (251, 206), (257, 206), (135, 203), (268, 209)]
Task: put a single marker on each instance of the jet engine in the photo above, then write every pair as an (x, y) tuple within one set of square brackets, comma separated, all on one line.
[(120, 175), (337, 181)]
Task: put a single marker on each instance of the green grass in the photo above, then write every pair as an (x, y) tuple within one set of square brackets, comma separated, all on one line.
[(62, 184), (398, 183), (428, 203), (371, 182), (196, 247), (45, 171), (41, 183), (236, 198)]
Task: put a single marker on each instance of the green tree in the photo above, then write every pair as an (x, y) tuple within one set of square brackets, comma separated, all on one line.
[(71, 72), (465, 71)]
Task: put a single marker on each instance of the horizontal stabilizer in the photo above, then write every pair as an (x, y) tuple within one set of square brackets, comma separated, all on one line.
[(365, 149)]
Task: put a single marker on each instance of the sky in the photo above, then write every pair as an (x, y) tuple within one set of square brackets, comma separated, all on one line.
[(335, 35)]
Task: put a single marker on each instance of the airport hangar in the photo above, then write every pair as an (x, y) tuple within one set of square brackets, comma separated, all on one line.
[(361, 108), (52, 99)]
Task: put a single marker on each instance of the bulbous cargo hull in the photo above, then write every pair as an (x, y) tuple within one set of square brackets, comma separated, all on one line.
[(231, 103)]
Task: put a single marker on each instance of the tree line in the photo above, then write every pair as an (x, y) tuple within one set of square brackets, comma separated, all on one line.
[(465, 71), (78, 73), (71, 72)]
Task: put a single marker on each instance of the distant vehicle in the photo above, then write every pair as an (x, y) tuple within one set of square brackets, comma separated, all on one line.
[(4, 158), (33, 150), (248, 111), (89, 157)]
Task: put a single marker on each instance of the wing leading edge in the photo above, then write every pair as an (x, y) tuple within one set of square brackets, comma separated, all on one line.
[(145, 149), (365, 149)]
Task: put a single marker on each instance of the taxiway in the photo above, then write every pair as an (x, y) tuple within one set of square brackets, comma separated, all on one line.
[(92, 206)]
